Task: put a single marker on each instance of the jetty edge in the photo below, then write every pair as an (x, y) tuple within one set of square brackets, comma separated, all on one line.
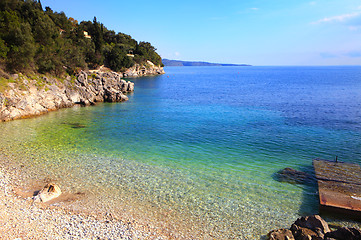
[(339, 187)]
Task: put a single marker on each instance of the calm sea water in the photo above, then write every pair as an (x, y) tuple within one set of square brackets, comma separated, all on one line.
[(198, 147)]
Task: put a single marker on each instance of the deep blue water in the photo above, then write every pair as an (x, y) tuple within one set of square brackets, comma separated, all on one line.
[(206, 142)]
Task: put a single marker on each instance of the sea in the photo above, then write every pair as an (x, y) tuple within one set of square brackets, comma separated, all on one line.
[(196, 151)]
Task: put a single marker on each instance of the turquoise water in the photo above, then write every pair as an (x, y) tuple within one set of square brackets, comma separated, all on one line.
[(197, 149)]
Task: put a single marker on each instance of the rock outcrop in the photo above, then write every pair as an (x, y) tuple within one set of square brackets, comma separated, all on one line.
[(29, 97), (144, 70), (314, 228)]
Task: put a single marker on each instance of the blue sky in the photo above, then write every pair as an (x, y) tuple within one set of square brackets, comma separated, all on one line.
[(257, 32)]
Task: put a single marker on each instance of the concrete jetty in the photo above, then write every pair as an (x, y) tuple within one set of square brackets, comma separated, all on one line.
[(339, 187)]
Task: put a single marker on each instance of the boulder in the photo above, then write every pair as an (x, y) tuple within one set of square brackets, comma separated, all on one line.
[(130, 87), (121, 97), (280, 234), (303, 233), (124, 86), (314, 222), (344, 234), (49, 192), (109, 95)]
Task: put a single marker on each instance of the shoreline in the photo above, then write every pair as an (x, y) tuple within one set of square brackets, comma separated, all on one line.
[(22, 218), (78, 214)]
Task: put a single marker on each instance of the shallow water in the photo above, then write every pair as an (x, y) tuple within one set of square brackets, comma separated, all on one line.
[(197, 149)]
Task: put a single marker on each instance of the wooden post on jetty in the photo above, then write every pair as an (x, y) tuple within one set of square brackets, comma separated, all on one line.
[(339, 187)]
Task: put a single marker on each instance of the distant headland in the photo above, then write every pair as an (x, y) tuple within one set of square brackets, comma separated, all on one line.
[(169, 63)]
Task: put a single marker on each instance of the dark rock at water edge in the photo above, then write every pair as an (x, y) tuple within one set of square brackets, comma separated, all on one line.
[(313, 228), (345, 234), (314, 222)]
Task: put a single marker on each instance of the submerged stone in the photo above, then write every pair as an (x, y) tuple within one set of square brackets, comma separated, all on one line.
[(294, 176), (76, 125)]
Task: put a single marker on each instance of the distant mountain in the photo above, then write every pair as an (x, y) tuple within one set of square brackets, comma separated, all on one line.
[(168, 62)]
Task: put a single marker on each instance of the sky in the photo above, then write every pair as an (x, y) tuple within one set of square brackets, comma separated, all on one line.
[(256, 32)]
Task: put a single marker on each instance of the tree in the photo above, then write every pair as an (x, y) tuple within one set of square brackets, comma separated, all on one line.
[(3, 49), (148, 52), (19, 40), (32, 39), (117, 59)]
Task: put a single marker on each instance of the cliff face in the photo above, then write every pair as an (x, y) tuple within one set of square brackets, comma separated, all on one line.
[(143, 70), (29, 97)]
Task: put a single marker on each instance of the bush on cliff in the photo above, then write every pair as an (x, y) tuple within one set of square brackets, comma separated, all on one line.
[(34, 40)]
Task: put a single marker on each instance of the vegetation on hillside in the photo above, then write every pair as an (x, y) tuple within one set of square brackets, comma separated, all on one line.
[(44, 41)]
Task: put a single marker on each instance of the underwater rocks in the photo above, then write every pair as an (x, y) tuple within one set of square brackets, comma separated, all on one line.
[(313, 228), (294, 176), (29, 97)]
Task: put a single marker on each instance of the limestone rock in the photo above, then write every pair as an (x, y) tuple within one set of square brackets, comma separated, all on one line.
[(49, 192), (2, 101), (280, 234), (82, 78), (130, 86), (124, 86), (73, 95), (87, 89)]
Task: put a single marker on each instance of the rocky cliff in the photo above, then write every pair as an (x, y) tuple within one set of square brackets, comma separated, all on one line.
[(25, 96), (143, 70)]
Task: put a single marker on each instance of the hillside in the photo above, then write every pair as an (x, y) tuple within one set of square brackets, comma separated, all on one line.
[(34, 40), (49, 61), (168, 62)]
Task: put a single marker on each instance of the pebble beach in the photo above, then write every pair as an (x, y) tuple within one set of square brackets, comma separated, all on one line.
[(21, 218)]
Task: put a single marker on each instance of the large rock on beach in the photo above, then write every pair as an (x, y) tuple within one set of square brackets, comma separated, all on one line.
[(303, 233), (49, 192), (314, 228), (314, 222)]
